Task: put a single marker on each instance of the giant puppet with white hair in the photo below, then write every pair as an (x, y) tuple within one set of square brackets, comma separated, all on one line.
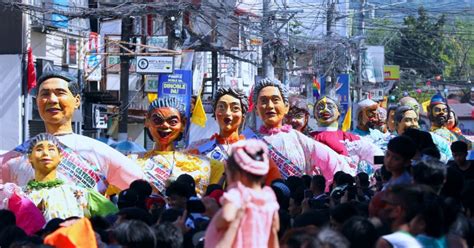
[(293, 152), (367, 120), (327, 111)]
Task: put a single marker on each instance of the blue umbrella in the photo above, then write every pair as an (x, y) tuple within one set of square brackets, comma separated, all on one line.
[(109, 141), (127, 147)]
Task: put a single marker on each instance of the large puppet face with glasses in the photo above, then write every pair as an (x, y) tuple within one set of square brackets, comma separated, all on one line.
[(326, 112), (228, 113), (45, 157), (271, 107), (439, 114), (165, 125)]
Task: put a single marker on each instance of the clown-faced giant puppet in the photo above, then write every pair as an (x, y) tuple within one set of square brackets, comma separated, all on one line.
[(166, 123)]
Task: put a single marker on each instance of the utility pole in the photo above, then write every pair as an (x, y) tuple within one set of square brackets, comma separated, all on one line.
[(361, 47), (330, 17), (268, 70), (328, 67), (286, 70), (127, 24)]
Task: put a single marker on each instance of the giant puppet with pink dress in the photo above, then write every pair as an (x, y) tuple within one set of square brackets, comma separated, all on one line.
[(293, 152), (230, 106), (327, 111)]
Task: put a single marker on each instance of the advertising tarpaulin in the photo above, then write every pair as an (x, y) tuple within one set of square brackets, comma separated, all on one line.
[(373, 60), (391, 72), (179, 85), (93, 65)]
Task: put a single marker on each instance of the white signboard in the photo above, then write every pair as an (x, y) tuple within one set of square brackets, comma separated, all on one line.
[(154, 64)]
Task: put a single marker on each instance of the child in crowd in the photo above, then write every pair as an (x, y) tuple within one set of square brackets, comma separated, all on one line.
[(256, 206)]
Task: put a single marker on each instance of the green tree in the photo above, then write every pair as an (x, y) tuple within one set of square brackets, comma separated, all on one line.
[(459, 50), (421, 45)]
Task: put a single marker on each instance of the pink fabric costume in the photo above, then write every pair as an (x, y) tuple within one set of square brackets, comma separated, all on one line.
[(255, 226), (28, 216), (333, 137), (310, 156)]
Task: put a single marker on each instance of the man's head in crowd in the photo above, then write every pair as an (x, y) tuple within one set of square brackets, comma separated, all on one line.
[(405, 117), (402, 204), (272, 102), (296, 198), (400, 151), (318, 185), (360, 232), (430, 172), (57, 97), (178, 194), (424, 143), (459, 150), (133, 233), (168, 235)]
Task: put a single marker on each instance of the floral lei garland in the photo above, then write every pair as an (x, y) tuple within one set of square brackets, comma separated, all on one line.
[(35, 185)]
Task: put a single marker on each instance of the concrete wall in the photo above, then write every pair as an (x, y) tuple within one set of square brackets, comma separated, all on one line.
[(10, 103)]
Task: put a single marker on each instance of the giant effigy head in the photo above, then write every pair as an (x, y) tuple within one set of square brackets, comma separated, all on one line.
[(367, 113), (44, 153), (271, 99), (411, 102), (230, 107), (298, 115), (327, 111), (438, 111), (405, 118), (166, 119)]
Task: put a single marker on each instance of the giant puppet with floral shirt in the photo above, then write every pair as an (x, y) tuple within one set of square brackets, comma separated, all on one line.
[(230, 106), (327, 111), (293, 152), (438, 113), (165, 121), (54, 197)]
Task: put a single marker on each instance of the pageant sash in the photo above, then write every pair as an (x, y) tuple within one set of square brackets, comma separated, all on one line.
[(287, 167)]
